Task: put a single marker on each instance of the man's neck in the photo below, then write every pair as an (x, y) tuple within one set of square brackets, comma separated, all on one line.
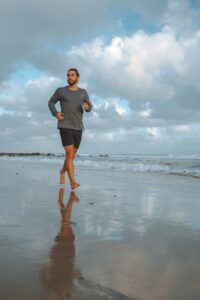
[(72, 87)]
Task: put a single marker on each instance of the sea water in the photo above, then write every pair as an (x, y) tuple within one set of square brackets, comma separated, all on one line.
[(183, 165)]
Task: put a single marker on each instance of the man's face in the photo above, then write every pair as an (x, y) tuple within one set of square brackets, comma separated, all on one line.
[(72, 77)]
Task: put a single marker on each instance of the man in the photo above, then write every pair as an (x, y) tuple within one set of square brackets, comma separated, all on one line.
[(73, 102)]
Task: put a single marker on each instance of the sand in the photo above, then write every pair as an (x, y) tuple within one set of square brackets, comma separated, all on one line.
[(132, 236)]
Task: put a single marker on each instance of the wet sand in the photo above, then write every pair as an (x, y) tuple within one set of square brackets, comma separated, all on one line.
[(119, 236)]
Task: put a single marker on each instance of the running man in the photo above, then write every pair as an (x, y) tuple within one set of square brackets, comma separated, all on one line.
[(73, 102)]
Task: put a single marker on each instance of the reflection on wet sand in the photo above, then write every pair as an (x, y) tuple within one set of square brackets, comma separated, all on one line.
[(61, 278), (59, 275), (66, 211)]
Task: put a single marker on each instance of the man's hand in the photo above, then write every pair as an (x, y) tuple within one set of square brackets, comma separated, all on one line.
[(60, 116), (85, 105)]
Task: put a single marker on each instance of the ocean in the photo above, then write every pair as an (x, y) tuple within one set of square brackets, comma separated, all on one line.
[(182, 165)]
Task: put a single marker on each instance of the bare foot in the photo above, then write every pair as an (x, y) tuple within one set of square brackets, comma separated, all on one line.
[(62, 177), (74, 197), (75, 185)]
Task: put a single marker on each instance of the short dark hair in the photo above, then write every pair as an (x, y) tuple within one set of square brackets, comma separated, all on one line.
[(75, 70)]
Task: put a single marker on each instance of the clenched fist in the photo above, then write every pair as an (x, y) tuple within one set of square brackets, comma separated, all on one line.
[(60, 116), (85, 105)]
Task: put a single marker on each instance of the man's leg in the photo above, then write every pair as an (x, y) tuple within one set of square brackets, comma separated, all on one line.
[(64, 169), (69, 166)]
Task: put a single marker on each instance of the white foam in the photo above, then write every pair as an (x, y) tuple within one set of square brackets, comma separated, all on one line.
[(179, 165)]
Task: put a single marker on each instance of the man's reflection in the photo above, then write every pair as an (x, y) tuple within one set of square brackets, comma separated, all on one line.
[(58, 277)]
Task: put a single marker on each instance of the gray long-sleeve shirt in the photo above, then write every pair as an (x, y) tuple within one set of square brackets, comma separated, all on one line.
[(71, 107)]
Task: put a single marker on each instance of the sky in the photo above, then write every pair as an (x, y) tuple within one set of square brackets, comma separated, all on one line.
[(137, 59)]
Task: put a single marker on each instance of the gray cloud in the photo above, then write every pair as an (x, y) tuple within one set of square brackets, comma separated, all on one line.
[(39, 32), (105, 128), (30, 30)]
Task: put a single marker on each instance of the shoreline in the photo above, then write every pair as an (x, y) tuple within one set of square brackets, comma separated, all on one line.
[(77, 164)]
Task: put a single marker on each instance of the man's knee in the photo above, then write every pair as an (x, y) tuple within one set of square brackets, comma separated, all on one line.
[(69, 151)]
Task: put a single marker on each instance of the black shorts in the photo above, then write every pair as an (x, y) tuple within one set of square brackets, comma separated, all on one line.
[(70, 136)]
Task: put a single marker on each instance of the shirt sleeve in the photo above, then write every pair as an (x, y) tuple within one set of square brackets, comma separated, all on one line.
[(54, 98), (86, 100)]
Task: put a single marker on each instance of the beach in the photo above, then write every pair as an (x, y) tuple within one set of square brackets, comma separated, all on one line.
[(134, 235)]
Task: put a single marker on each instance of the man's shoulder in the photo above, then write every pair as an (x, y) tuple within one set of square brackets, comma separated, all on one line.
[(83, 90), (57, 90), (61, 88)]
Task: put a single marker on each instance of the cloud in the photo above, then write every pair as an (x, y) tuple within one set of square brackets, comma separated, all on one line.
[(157, 68), (38, 32), (147, 111), (182, 16), (39, 29), (154, 132), (129, 62), (182, 128)]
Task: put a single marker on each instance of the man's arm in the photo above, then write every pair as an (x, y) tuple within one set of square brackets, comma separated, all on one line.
[(54, 98), (86, 100)]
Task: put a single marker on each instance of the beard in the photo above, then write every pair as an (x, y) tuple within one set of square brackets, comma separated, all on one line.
[(72, 82)]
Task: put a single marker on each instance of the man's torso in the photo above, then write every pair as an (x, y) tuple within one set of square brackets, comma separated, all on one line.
[(71, 107)]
